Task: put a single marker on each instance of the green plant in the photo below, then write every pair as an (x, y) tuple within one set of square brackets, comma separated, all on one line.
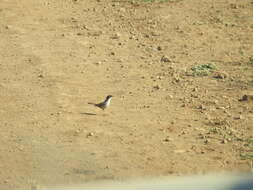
[(251, 60), (247, 156), (203, 70), (214, 130), (150, 1), (249, 142)]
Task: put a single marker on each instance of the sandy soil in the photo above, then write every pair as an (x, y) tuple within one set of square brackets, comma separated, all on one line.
[(58, 55)]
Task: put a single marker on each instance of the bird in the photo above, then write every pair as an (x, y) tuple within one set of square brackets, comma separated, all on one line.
[(103, 105)]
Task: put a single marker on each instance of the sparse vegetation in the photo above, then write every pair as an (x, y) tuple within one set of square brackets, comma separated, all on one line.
[(151, 1), (251, 60), (249, 142), (248, 155), (203, 70)]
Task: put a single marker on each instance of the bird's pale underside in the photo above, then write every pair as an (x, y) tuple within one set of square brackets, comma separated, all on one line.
[(103, 105)]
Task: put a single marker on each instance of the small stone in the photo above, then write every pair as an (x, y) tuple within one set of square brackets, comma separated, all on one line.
[(233, 6), (246, 98), (202, 107), (165, 59), (157, 87), (221, 108), (40, 76), (215, 101), (98, 63), (154, 33), (220, 75), (90, 134), (168, 139), (224, 141), (176, 79), (195, 90), (116, 36), (159, 48), (179, 151), (229, 139), (239, 117), (159, 77)]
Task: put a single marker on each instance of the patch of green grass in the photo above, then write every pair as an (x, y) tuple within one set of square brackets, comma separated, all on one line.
[(151, 1), (203, 70), (241, 52), (247, 156), (214, 130), (148, 1), (249, 142), (251, 60)]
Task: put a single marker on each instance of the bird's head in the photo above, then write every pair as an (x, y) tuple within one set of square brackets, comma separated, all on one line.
[(109, 97)]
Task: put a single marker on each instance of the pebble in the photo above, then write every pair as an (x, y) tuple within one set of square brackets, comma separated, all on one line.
[(79, 34), (116, 36), (40, 76), (195, 90), (157, 87), (155, 33), (159, 48), (115, 4), (90, 134), (165, 59), (239, 117), (98, 63), (246, 98), (159, 77), (221, 108), (202, 107), (229, 139), (168, 139), (206, 141), (215, 101), (179, 151), (220, 75)]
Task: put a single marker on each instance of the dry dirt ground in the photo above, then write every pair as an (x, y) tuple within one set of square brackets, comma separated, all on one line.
[(165, 118)]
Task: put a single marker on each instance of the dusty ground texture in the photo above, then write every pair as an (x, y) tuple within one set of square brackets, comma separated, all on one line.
[(176, 70)]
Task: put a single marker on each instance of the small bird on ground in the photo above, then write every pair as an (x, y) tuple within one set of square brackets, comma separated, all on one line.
[(103, 104)]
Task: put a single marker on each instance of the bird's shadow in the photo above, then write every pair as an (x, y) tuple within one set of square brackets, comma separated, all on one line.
[(87, 113)]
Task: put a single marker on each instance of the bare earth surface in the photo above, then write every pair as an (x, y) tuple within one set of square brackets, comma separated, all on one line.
[(165, 118)]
